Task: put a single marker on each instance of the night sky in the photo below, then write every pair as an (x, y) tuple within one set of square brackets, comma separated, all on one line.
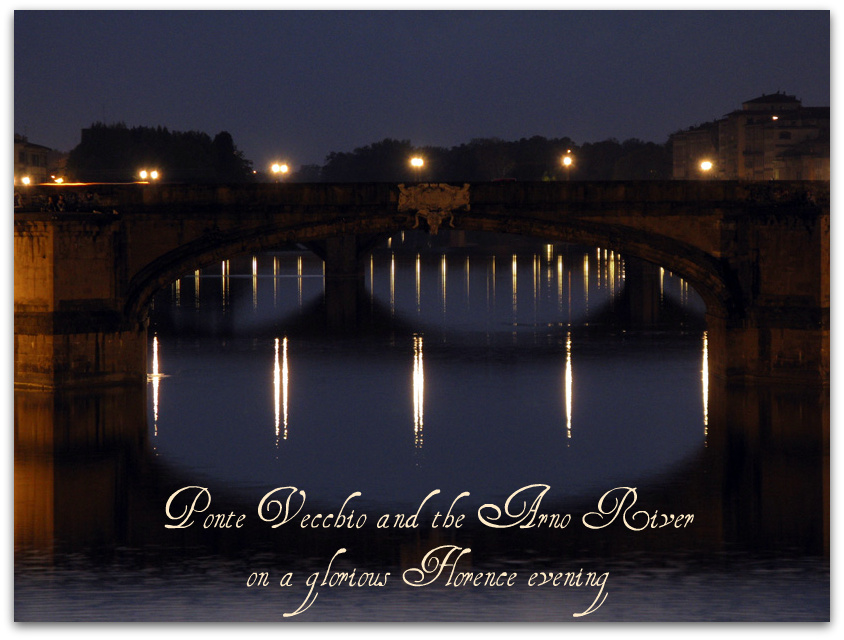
[(297, 85)]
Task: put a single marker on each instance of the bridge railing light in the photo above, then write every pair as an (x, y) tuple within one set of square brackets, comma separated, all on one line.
[(567, 162), (280, 169), (417, 163)]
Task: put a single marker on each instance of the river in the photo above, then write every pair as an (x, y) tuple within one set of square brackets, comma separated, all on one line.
[(478, 368)]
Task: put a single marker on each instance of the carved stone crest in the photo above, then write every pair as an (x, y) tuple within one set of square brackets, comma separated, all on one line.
[(435, 202)]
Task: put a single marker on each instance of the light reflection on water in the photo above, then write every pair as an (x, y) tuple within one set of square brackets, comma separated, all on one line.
[(497, 380), (475, 371)]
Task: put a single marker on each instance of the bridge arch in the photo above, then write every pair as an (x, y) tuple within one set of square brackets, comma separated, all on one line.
[(700, 270)]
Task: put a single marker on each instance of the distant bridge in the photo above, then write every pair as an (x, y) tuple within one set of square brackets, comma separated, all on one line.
[(89, 258)]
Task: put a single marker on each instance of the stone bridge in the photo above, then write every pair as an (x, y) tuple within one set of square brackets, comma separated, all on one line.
[(89, 258)]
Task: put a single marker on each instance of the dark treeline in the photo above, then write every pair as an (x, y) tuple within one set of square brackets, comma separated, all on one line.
[(485, 159), (116, 153)]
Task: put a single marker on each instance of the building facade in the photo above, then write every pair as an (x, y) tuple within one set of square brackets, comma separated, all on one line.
[(36, 162), (772, 137), (691, 149)]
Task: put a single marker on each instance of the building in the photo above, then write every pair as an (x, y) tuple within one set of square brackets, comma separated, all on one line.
[(692, 148), (36, 162), (772, 137), (807, 160)]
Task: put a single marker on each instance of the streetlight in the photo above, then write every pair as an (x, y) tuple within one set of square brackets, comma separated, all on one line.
[(417, 163), (280, 169), (567, 162), (706, 167)]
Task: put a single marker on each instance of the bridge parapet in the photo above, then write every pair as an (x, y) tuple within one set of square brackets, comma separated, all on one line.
[(174, 198)]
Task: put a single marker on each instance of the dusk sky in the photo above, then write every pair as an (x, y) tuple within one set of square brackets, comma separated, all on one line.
[(297, 85)]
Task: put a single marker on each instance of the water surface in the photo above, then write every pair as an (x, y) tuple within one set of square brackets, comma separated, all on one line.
[(472, 369)]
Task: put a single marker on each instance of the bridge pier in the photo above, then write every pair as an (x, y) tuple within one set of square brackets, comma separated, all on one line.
[(776, 327), (640, 300), (768, 351), (344, 281), (62, 358), (70, 327), (344, 278)]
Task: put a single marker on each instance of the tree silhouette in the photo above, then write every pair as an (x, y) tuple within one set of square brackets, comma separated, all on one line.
[(384, 161), (485, 159), (116, 153)]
